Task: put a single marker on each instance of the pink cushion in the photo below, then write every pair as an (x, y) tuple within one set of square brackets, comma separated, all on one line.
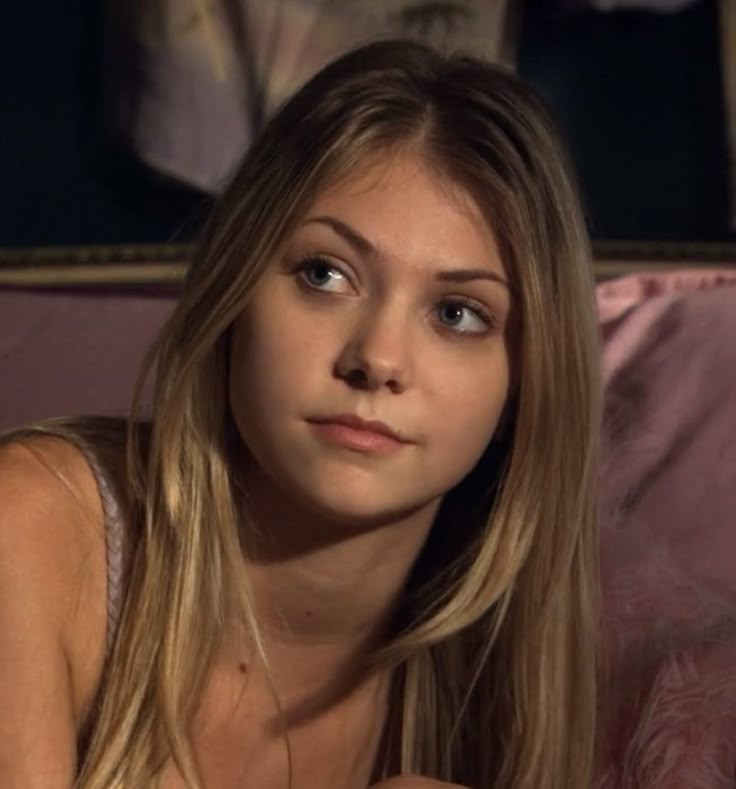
[(64, 353), (668, 493), (668, 531)]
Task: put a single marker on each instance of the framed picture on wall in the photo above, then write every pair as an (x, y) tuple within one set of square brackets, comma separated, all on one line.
[(728, 60), (148, 156)]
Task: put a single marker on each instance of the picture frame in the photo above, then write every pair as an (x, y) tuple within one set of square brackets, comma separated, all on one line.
[(163, 266)]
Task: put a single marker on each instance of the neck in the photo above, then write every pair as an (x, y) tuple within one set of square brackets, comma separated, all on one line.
[(342, 592), (326, 592)]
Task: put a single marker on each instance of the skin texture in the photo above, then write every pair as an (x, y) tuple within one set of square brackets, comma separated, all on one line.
[(368, 340), (52, 610), (414, 782), (375, 334), (341, 528), (363, 333)]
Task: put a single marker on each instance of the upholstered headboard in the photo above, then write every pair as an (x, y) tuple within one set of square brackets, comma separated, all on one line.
[(75, 322)]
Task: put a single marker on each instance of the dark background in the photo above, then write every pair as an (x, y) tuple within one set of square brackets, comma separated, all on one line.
[(638, 96)]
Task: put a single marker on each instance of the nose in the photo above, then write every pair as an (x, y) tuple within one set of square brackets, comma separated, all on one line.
[(377, 352)]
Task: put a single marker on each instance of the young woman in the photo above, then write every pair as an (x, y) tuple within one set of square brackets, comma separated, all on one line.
[(355, 540)]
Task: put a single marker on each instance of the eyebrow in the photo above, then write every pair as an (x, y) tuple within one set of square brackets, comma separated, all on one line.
[(362, 245)]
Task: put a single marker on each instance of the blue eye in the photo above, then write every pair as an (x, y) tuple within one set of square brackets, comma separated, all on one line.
[(463, 317), (317, 273)]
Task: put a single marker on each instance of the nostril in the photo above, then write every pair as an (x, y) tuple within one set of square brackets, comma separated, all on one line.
[(357, 378)]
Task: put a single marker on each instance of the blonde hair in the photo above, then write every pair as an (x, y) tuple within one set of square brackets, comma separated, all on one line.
[(495, 657)]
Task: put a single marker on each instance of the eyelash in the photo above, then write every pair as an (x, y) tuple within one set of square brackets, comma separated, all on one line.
[(313, 261), (484, 315)]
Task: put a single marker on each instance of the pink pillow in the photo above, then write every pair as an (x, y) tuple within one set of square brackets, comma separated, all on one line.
[(668, 531), (64, 353)]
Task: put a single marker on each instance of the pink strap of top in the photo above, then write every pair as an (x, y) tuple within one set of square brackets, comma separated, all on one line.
[(114, 526)]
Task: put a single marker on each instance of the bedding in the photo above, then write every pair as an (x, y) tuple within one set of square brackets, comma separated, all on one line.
[(668, 494), (668, 532)]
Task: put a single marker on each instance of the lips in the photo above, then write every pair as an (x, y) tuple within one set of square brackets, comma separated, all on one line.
[(361, 435), (366, 425)]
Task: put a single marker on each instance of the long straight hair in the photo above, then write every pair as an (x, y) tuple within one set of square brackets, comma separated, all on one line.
[(494, 658)]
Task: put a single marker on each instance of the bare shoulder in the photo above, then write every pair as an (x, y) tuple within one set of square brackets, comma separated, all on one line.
[(52, 607), (52, 534)]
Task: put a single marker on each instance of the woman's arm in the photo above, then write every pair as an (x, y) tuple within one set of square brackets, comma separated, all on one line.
[(52, 609)]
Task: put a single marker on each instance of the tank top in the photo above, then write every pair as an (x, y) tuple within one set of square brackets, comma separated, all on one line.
[(114, 532)]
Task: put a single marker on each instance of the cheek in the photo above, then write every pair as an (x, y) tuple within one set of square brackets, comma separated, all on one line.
[(469, 412), (252, 387), (270, 365)]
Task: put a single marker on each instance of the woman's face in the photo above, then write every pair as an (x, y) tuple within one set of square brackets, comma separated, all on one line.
[(390, 307)]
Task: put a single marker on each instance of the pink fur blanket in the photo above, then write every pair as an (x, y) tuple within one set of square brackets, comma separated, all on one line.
[(668, 532)]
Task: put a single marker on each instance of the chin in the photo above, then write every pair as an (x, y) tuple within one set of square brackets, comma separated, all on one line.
[(348, 492), (362, 506)]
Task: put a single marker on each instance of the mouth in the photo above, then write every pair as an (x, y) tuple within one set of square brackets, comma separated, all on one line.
[(361, 435)]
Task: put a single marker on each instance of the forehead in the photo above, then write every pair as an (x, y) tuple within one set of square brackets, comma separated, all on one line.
[(403, 203), (403, 169)]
